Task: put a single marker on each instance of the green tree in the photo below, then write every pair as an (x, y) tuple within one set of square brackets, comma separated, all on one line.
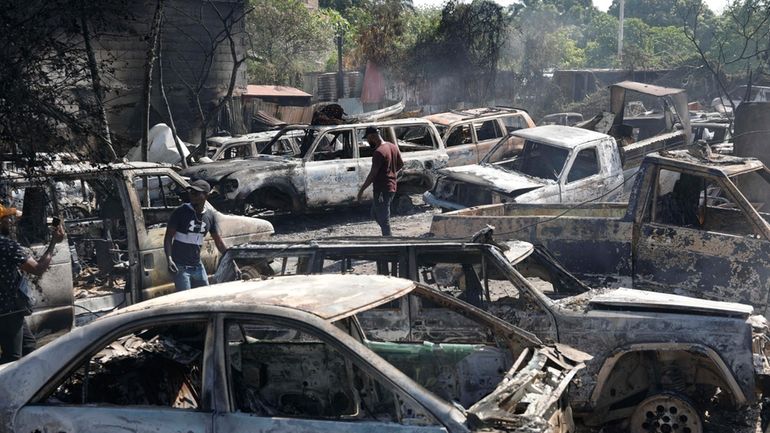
[(738, 42), (601, 38), (288, 39), (379, 30)]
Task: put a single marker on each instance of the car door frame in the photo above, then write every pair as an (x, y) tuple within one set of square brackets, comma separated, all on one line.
[(657, 241), (150, 258), (228, 417), (341, 175), (483, 146), (94, 343), (53, 289), (588, 187)]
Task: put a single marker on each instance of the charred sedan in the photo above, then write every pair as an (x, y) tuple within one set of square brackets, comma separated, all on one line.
[(286, 354)]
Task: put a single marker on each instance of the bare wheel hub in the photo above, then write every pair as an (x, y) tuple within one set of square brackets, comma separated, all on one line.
[(665, 413)]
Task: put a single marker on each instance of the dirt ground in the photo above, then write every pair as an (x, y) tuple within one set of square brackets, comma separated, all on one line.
[(351, 222)]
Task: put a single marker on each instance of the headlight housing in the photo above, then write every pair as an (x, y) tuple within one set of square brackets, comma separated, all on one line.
[(228, 185)]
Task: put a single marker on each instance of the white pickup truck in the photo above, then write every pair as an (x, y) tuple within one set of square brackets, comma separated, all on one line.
[(557, 164)]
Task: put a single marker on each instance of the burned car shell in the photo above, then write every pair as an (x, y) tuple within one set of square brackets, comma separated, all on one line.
[(119, 224), (325, 170), (242, 146), (305, 303), (643, 344), (469, 134), (710, 243), (495, 180)]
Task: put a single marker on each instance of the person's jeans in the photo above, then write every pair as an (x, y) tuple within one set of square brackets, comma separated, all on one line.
[(381, 210), (11, 337), (190, 277)]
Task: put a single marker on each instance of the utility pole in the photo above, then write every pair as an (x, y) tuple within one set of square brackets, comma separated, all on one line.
[(340, 73), (620, 31)]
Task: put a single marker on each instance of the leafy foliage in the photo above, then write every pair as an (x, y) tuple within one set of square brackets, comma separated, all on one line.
[(288, 39)]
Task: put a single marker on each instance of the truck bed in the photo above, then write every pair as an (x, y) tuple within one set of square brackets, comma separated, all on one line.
[(594, 240)]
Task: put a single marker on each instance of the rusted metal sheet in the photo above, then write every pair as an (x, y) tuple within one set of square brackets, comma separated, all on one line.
[(648, 89)]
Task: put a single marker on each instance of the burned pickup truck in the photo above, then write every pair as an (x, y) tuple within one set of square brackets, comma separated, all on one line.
[(689, 356), (114, 216), (695, 225), (323, 168), (562, 164), (286, 355)]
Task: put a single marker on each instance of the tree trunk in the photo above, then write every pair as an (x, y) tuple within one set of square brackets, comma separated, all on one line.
[(96, 83), (147, 90), (171, 124)]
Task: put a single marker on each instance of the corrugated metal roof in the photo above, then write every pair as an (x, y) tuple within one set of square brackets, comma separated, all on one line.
[(256, 90)]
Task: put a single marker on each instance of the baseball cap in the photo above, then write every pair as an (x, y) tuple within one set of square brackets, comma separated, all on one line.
[(7, 211), (200, 185), (371, 130)]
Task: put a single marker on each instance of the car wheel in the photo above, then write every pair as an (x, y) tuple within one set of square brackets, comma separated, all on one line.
[(256, 271), (666, 412)]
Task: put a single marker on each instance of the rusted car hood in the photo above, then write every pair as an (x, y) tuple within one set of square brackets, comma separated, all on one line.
[(489, 176), (215, 171), (643, 300)]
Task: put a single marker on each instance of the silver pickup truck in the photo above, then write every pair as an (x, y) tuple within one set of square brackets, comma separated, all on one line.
[(322, 167)]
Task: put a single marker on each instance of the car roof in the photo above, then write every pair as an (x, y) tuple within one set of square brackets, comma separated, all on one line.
[(330, 297), (559, 135), (407, 121), (449, 117)]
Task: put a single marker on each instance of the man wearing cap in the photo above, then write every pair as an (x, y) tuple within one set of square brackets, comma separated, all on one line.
[(386, 162), (185, 232), (14, 258)]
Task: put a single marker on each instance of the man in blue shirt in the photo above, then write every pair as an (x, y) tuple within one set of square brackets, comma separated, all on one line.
[(185, 233)]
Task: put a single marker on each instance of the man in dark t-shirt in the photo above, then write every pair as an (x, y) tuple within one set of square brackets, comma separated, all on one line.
[(386, 162), (13, 259), (185, 232)]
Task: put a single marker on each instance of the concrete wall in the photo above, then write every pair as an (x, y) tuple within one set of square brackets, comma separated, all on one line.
[(189, 26)]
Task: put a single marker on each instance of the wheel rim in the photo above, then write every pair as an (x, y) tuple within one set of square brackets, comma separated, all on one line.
[(665, 413)]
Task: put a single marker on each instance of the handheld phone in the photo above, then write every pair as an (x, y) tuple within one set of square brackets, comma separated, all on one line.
[(56, 222)]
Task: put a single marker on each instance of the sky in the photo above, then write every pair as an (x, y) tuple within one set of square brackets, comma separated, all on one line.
[(714, 5)]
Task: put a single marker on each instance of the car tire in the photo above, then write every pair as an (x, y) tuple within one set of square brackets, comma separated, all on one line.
[(256, 271)]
